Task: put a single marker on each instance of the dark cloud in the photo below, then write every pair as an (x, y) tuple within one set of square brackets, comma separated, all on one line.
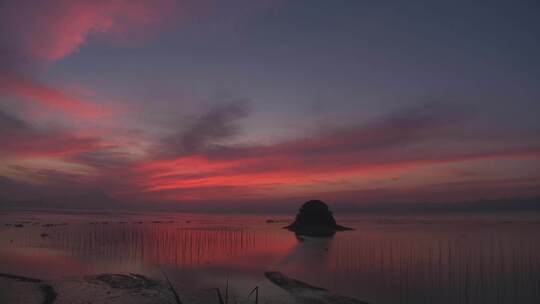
[(50, 176), (106, 159), (218, 124), (421, 123), (10, 124)]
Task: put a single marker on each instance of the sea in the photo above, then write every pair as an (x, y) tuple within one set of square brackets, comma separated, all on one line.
[(387, 258)]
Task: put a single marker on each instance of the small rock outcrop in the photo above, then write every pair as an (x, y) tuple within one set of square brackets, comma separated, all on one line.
[(124, 281), (306, 293), (19, 289), (315, 219)]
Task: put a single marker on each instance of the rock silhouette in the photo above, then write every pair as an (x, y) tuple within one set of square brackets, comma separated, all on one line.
[(315, 219)]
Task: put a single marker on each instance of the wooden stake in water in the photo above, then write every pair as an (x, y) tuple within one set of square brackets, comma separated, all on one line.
[(176, 297)]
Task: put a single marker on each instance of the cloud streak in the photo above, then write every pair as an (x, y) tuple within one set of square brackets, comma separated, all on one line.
[(25, 89), (21, 140)]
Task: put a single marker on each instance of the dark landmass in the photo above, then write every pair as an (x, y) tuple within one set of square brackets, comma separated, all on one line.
[(315, 219), (503, 205)]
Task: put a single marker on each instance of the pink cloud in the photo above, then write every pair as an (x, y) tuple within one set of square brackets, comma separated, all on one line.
[(274, 169), (51, 30), (30, 90)]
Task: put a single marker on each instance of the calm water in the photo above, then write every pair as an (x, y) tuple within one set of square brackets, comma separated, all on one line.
[(387, 259)]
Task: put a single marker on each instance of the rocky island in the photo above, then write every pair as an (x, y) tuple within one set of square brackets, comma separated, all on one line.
[(315, 219)]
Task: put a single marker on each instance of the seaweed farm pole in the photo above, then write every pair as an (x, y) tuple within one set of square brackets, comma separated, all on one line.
[(227, 291), (219, 296), (256, 290)]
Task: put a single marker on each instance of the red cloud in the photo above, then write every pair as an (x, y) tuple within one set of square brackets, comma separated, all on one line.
[(51, 30), (27, 89), (192, 177)]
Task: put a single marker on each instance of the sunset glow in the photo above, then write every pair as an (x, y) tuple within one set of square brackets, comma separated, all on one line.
[(190, 102)]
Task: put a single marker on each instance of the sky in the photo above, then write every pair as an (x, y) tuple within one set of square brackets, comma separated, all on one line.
[(262, 104)]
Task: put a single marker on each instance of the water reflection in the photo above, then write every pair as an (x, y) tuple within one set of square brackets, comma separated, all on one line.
[(161, 244), (446, 270), (310, 257), (380, 262)]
